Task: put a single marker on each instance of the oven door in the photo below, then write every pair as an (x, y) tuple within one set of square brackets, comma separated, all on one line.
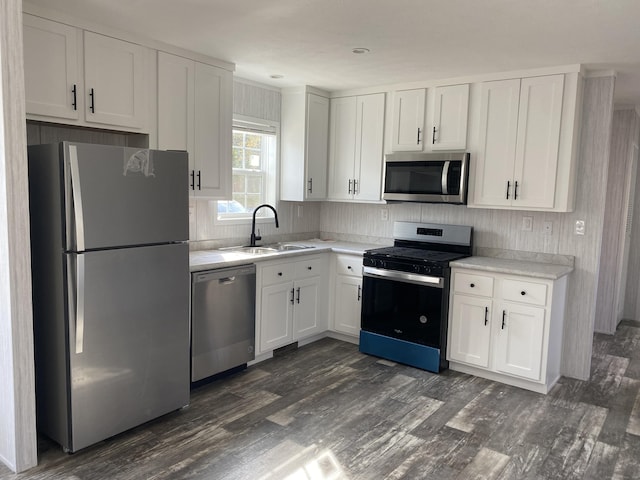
[(405, 306)]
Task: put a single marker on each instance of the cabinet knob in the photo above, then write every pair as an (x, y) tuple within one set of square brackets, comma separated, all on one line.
[(279, 274), (309, 268), (523, 293), (472, 285), (348, 267)]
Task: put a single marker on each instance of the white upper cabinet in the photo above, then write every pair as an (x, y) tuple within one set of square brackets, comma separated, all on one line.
[(355, 148), (176, 102), (451, 110), (195, 114), (408, 120), (115, 81), (112, 92), (342, 147), (213, 137), (304, 145), (52, 82), (526, 155)]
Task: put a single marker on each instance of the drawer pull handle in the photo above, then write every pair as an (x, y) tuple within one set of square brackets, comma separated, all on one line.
[(279, 274), (523, 293), (472, 285), (486, 315), (504, 314), (359, 292)]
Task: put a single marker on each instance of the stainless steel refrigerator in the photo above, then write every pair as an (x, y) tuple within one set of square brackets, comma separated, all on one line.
[(110, 267)]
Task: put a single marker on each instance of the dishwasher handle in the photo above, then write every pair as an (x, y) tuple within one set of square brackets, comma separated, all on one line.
[(224, 276)]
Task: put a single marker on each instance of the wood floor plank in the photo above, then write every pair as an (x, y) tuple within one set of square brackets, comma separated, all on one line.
[(486, 465)]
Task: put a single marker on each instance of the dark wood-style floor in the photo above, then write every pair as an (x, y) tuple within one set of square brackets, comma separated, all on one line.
[(325, 411)]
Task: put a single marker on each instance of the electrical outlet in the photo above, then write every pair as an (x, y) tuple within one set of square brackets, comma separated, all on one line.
[(527, 224), (580, 227), (384, 214), (300, 211), (547, 228)]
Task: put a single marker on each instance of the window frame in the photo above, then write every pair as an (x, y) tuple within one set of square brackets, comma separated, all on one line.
[(272, 186)]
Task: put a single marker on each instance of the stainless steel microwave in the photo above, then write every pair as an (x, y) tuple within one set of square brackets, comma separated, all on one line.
[(426, 177)]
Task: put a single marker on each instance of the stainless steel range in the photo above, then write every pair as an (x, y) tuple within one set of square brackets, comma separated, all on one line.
[(405, 293)]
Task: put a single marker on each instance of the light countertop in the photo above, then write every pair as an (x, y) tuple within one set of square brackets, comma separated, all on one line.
[(208, 259), (515, 267)]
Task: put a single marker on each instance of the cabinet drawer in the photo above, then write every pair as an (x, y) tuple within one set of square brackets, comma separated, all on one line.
[(309, 267), (473, 284), (349, 265), (524, 292), (277, 273)]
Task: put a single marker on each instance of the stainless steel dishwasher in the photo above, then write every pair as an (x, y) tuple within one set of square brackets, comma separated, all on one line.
[(223, 319)]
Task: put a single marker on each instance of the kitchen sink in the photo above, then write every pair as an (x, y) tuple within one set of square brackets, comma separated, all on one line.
[(272, 248), (254, 250), (285, 247)]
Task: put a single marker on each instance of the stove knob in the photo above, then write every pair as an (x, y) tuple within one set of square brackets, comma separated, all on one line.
[(416, 268), (382, 264)]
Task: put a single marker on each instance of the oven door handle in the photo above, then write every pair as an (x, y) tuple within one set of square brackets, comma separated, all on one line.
[(437, 282)]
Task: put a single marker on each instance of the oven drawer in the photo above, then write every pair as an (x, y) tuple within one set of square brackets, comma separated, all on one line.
[(278, 273), (524, 292), (349, 265), (473, 284)]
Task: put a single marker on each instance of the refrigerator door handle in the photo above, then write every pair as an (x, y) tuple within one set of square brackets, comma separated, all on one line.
[(76, 194), (76, 300)]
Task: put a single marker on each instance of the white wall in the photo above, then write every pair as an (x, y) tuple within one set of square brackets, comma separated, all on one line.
[(501, 229), (624, 136), (18, 447)]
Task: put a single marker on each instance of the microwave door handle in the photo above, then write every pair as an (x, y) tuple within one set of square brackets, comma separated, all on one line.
[(445, 177)]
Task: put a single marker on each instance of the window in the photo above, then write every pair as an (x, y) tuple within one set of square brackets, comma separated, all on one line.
[(254, 171)]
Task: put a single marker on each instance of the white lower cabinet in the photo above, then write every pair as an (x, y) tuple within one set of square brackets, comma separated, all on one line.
[(347, 294), (507, 328), (291, 300)]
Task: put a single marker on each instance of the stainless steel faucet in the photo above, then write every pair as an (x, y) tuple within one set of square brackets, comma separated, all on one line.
[(255, 237)]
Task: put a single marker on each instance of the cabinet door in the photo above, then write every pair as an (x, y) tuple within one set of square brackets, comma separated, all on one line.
[(369, 141), (213, 120), (52, 85), (518, 348), (347, 306), (408, 120), (470, 330), (306, 319), (342, 147), (536, 159), (175, 104), (450, 118), (115, 81), (497, 143), (317, 147), (276, 317)]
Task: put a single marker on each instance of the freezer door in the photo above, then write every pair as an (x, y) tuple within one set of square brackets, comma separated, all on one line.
[(117, 196), (128, 338)]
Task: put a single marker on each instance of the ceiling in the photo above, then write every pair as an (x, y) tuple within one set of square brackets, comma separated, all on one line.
[(310, 42)]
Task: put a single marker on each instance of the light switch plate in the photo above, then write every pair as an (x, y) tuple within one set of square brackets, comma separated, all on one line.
[(527, 224), (384, 214)]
